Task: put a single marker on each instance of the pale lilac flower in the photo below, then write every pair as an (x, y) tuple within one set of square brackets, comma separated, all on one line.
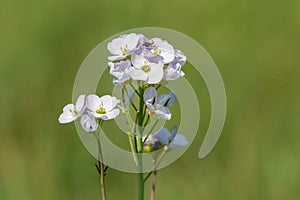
[(123, 46), (173, 70), (159, 105), (88, 122), (71, 112), (164, 49), (145, 70), (103, 107), (120, 71), (164, 138)]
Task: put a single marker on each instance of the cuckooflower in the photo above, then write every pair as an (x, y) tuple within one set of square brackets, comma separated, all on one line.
[(159, 105), (123, 46), (173, 70), (120, 71), (164, 138), (103, 107), (145, 70), (71, 112), (88, 122), (162, 48)]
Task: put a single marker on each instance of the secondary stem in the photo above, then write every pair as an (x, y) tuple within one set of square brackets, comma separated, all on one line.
[(153, 184), (101, 166)]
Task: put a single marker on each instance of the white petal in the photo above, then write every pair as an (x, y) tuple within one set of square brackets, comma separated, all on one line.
[(114, 47), (88, 123), (108, 102), (138, 60), (66, 117), (137, 74), (93, 102), (68, 107), (80, 102), (164, 113), (118, 57), (131, 40), (179, 141), (111, 114), (156, 73)]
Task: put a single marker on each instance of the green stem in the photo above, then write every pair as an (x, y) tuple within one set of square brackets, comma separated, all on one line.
[(140, 146)]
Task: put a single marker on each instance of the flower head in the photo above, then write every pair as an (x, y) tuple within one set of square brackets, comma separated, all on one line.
[(145, 70), (71, 112), (123, 46), (103, 107), (159, 104), (163, 49)]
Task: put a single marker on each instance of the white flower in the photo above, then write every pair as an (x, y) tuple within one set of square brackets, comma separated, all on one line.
[(173, 71), (163, 49), (121, 47), (164, 138), (158, 105), (103, 107), (120, 71), (88, 122), (71, 112), (145, 70)]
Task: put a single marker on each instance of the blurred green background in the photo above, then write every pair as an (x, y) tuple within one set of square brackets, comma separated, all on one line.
[(256, 46)]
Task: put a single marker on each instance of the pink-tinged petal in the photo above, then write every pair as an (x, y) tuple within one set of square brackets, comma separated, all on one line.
[(66, 117), (172, 74), (111, 114), (93, 102), (156, 73), (88, 123), (137, 74), (80, 102)]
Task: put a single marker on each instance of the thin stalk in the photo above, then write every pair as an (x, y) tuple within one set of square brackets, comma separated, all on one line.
[(153, 185), (154, 177), (101, 166)]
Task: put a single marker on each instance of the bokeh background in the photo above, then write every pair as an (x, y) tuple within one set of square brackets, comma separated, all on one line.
[(256, 46)]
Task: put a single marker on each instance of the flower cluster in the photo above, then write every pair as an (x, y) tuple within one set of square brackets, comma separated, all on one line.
[(135, 57), (89, 108), (140, 67)]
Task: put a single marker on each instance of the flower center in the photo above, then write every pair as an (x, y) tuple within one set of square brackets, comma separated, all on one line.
[(124, 50), (156, 51), (146, 67), (101, 110), (74, 112)]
